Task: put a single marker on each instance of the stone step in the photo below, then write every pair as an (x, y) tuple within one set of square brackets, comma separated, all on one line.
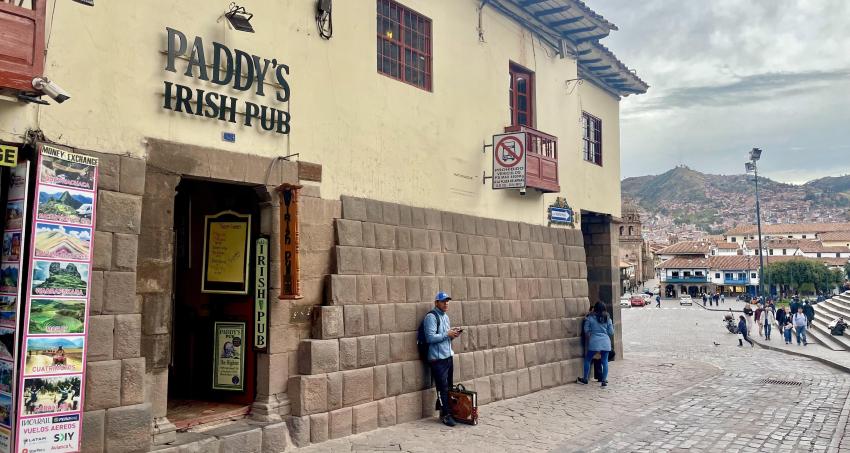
[(831, 312), (820, 332), (824, 338)]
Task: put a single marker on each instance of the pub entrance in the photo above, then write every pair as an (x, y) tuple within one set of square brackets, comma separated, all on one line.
[(216, 226)]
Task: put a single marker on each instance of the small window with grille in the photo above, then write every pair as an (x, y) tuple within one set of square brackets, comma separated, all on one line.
[(592, 138)]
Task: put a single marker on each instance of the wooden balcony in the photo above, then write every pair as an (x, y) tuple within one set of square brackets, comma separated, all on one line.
[(541, 167), (21, 43)]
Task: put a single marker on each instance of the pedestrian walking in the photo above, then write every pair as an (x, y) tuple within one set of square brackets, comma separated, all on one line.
[(788, 329), (742, 329), (439, 334), (658, 301), (703, 299), (780, 317), (769, 319), (748, 315), (599, 329), (799, 320), (723, 298), (809, 311), (758, 313)]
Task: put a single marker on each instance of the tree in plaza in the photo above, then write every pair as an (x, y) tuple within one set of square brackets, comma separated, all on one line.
[(847, 269), (804, 276)]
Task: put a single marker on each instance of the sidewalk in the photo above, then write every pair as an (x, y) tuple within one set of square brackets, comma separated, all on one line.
[(839, 360)]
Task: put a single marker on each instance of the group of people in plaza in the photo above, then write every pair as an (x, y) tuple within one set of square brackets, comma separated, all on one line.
[(717, 298), (762, 315)]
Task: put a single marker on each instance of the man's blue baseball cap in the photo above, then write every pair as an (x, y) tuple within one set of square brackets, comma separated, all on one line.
[(441, 296)]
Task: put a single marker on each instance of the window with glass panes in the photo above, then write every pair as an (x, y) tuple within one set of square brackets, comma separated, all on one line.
[(592, 138), (404, 44), (521, 96)]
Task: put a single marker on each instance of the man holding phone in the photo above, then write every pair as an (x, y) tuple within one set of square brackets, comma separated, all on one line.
[(439, 334)]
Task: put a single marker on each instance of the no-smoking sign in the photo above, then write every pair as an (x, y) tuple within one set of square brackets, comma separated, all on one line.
[(509, 161)]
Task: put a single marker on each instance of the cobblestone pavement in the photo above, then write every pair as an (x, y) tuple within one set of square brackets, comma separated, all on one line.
[(685, 385)]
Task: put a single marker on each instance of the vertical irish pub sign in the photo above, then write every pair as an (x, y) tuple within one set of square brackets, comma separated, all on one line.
[(51, 377), (261, 293), (290, 268)]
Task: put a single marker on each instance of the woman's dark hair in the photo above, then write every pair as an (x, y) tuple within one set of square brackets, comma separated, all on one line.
[(601, 312), (742, 318)]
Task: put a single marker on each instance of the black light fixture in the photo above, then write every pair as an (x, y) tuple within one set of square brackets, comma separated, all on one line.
[(85, 2), (239, 18)]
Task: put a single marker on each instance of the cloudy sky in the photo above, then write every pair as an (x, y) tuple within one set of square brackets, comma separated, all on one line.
[(728, 75)]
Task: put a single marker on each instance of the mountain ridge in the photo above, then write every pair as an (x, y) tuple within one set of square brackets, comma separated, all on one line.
[(714, 203)]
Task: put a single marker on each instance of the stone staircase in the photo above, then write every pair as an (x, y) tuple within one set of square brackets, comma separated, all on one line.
[(825, 313)]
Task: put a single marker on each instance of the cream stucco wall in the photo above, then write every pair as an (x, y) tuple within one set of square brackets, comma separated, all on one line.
[(374, 136)]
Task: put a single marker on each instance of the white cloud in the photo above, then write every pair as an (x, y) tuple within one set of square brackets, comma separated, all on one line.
[(727, 75)]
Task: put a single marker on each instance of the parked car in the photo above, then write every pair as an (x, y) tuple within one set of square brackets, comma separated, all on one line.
[(686, 300), (624, 301), (637, 301)]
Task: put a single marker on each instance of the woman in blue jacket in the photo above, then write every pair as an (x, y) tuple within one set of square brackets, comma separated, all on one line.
[(598, 329), (742, 329)]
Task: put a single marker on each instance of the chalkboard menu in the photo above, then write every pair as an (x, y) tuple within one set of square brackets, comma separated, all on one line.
[(226, 253)]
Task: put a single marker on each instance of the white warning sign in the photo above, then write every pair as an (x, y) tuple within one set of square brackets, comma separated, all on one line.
[(509, 161)]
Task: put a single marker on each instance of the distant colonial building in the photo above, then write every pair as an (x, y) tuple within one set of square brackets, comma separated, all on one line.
[(636, 258)]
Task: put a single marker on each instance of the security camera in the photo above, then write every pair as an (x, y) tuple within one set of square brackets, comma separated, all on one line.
[(522, 191), (51, 89)]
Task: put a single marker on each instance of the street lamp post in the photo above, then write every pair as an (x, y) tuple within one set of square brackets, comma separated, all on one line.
[(751, 166)]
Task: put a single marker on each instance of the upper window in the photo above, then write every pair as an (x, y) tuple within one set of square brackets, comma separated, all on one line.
[(592, 138), (521, 96), (404, 44)]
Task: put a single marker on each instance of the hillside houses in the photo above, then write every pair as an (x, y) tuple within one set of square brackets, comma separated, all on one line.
[(730, 265)]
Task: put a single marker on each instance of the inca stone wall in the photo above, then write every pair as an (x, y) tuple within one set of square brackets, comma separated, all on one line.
[(117, 416), (520, 292)]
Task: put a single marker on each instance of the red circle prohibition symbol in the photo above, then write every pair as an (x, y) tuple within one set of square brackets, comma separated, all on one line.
[(509, 151)]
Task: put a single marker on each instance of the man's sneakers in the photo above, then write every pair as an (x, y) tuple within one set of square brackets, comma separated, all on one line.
[(581, 381), (604, 383), (448, 420)]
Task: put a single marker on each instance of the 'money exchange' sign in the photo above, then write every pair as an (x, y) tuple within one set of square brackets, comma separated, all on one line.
[(230, 68)]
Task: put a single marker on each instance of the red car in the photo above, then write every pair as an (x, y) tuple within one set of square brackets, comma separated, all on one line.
[(637, 301)]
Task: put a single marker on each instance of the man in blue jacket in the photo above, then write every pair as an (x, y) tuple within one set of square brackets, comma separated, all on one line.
[(439, 334)]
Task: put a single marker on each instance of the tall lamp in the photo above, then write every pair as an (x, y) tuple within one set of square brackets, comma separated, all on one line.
[(752, 167)]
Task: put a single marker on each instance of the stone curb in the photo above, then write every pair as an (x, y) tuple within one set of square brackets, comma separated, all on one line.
[(826, 362), (717, 309)]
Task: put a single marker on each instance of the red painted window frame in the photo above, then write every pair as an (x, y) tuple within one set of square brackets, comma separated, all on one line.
[(404, 25), (588, 120), (17, 74), (516, 71)]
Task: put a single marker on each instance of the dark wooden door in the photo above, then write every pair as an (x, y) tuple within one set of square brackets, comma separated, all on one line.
[(195, 312)]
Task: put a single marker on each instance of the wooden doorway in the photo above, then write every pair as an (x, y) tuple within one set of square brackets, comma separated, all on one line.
[(193, 398)]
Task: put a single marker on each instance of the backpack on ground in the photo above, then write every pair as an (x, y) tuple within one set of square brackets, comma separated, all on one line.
[(422, 344)]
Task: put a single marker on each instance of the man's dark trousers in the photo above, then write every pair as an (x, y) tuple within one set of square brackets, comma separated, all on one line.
[(441, 372)]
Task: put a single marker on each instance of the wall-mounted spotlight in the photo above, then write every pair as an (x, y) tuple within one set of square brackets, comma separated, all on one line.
[(50, 88), (239, 18), (85, 2)]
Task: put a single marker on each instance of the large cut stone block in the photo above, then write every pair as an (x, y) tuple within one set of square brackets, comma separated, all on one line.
[(119, 212), (349, 232), (327, 322), (319, 427), (339, 423), (349, 260), (334, 390), (299, 429), (387, 412), (394, 379), (379, 381), (343, 289), (372, 319), (239, 437), (103, 385), (365, 417), (119, 293), (132, 381), (357, 386), (318, 356), (366, 351), (353, 208), (129, 338), (94, 423), (102, 254), (308, 394), (100, 338), (128, 428), (347, 353), (125, 251), (408, 407), (353, 320)]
